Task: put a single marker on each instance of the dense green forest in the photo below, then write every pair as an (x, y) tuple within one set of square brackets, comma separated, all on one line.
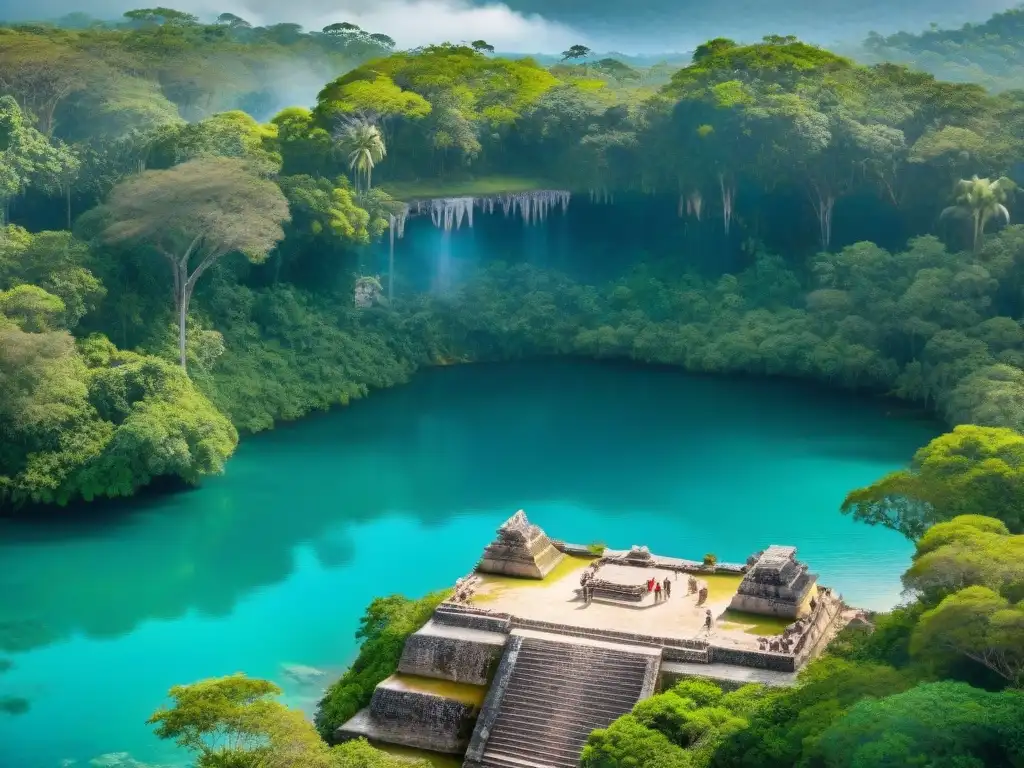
[(990, 53), (180, 260)]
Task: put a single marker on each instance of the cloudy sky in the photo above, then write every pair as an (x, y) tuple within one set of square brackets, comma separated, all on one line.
[(640, 26)]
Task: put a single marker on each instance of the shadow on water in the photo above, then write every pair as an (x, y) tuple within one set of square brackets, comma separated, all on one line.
[(454, 441)]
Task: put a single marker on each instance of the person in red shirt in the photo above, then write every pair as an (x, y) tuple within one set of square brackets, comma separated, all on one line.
[(657, 592)]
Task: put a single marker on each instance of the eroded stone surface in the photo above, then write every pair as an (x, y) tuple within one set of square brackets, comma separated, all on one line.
[(521, 549), (776, 584)]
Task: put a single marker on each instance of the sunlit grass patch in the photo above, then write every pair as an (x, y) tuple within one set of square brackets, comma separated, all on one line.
[(493, 585), (464, 692), (753, 623)]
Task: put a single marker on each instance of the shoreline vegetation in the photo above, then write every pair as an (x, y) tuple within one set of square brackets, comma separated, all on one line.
[(180, 264)]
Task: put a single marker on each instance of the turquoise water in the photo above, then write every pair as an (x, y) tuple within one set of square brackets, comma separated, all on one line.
[(273, 563)]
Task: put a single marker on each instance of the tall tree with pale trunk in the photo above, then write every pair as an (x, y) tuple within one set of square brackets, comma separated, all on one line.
[(980, 201), (195, 213), (364, 145)]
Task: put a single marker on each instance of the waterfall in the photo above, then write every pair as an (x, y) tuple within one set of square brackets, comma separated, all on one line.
[(448, 213), (396, 228)]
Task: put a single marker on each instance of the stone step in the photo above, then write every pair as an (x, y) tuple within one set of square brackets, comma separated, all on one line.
[(568, 724), (564, 649), (502, 760), (586, 695), (532, 746), (536, 749), (597, 677), (623, 638), (522, 703), (560, 692), (627, 664), (584, 681), (585, 662)]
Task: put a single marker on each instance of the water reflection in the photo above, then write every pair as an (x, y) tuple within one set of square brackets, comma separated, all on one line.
[(454, 441)]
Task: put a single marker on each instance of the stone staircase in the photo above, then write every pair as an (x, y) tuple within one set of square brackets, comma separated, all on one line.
[(560, 691)]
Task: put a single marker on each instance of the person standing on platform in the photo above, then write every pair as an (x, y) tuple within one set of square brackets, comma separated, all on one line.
[(657, 592), (668, 588)]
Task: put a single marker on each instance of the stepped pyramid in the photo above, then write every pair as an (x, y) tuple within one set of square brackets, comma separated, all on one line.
[(521, 549)]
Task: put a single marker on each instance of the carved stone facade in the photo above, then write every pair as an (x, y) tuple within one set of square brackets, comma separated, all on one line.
[(521, 549), (776, 584)]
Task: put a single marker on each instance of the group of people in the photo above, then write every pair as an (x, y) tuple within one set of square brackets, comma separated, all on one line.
[(662, 589)]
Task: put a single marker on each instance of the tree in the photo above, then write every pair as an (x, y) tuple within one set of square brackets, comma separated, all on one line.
[(364, 145), (482, 46), (40, 74), (969, 550), (979, 624), (28, 159), (383, 40), (575, 52), (375, 97), (160, 16), (712, 47), (933, 724), (980, 201), (195, 213), (233, 21), (340, 28), (971, 470)]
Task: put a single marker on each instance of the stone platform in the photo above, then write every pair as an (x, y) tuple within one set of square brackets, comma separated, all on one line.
[(518, 666)]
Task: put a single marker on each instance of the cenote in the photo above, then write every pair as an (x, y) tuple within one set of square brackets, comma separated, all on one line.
[(272, 564)]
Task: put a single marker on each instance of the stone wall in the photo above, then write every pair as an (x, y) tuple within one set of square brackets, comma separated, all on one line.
[(780, 662), (492, 703), (608, 634), (413, 719), (450, 658), (498, 622), (825, 612), (773, 606)]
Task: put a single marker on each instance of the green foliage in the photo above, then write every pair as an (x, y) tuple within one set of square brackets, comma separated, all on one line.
[(968, 551), (103, 423), (234, 722), (387, 623), (932, 724), (969, 471), (789, 729)]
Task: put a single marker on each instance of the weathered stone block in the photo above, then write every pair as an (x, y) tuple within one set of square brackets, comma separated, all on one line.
[(776, 584), (521, 549), (409, 718), (459, 655)]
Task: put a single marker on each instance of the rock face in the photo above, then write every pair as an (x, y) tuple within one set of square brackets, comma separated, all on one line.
[(402, 715), (776, 584), (521, 549)]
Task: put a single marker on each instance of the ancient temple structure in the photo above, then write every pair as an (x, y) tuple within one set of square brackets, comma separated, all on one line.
[(776, 584), (520, 678), (521, 549)]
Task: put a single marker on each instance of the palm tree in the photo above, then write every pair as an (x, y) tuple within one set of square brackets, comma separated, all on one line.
[(981, 200), (363, 142)]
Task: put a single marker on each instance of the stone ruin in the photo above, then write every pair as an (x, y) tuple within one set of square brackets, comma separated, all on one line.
[(638, 556), (521, 549), (776, 584), (368, 291)]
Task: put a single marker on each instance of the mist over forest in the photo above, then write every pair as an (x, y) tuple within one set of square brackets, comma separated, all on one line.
[(213, 226), (548, 26)]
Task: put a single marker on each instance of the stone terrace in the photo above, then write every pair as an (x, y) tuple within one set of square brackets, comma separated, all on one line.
[(557, 601)]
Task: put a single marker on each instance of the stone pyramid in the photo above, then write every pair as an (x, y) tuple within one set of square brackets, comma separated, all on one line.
[(521, 549)]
